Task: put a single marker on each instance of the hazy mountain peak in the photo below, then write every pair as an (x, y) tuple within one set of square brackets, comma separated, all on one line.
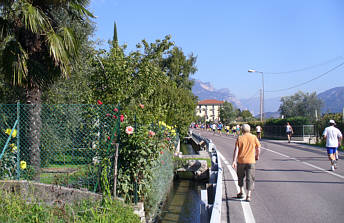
[(207, 86), (204, 90)]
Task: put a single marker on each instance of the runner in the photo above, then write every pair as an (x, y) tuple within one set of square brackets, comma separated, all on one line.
[(227, 130), (289, 131), (234, 130), (259, 131), (219, 128), (333, 140), (214, 128)]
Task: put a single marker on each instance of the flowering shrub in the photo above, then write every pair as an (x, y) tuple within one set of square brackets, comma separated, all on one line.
[(140, 160), (8, 165)]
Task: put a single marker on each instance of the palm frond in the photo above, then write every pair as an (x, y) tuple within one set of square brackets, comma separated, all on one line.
[(81, 9), (34, 19), (4, 29), (70, 43), (15, 58), (59, 52)]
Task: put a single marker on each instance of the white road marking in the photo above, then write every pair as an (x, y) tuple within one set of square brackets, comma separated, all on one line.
[(248, 215), (308, 164)]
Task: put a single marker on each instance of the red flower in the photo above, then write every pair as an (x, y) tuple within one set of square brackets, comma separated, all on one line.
[(99, 102), (114, 116), (161, 152), (141, 106), (115, 110), (121, 117), (108, 138)]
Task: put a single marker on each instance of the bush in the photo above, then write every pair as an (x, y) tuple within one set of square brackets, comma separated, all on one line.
[(14, 209)]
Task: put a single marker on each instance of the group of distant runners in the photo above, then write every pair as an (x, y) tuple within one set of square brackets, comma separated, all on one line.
[(247, 150)]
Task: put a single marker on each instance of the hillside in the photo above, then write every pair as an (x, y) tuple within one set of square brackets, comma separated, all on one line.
[(333, 100)]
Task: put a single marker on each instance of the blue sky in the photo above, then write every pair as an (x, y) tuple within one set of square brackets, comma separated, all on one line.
[(229, 37)]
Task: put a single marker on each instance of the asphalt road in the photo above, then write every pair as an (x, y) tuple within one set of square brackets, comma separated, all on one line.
[(293, 184)]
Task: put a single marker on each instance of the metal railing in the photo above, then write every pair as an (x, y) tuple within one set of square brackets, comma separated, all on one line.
[(211, 198)]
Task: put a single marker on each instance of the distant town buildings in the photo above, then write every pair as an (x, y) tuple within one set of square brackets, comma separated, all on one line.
[(210, 109)]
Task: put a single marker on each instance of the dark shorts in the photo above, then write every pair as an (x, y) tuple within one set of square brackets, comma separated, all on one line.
[(331, 150), (288, 133), (246, 171)]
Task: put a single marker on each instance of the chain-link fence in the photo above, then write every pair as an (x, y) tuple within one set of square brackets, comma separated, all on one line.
[(67, 145), (279, 132), (58, 144)]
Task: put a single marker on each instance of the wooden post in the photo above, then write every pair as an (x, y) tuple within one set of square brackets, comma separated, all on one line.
[(115, 171)]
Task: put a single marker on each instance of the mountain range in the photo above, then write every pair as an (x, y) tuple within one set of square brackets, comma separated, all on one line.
[(333, 99)]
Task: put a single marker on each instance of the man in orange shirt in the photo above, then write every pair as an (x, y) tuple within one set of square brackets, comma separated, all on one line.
[(246, 152)]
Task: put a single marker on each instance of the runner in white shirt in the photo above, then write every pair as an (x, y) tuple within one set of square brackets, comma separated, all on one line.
[(259, 131), (333, 140)]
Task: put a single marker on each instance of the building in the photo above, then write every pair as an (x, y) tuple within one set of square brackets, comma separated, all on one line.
[(210, 109)]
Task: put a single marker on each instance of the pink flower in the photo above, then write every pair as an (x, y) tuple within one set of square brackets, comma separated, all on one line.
[(108, 138), (99, 102), (129, 130), (151, 133), (108, 115), (168, 139), (141, 106), (121, 117), (161, 152), (115, 110), (114, 116), (162, 162)]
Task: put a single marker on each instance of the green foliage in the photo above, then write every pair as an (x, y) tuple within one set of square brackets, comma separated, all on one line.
[(153, 76), (139, 154), (246, 115), (227, 113), (14, 208), (292, 120), (300, 104)]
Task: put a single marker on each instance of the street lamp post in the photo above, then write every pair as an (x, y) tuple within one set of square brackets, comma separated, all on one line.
[(262, 94)]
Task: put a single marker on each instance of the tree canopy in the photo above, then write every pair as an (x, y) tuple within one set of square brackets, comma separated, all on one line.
[(300, 104)]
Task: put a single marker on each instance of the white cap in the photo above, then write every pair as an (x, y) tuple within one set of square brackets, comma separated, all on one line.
[(332, 122)]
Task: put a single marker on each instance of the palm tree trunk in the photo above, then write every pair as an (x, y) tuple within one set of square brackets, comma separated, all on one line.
[(33, 99)]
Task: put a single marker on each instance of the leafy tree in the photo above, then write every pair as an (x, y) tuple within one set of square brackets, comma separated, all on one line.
[(227, 113), (246, 115), (300, 104), (38, 45), (140, 77)]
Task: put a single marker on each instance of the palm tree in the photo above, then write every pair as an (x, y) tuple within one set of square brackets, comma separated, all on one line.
[(38, 45)]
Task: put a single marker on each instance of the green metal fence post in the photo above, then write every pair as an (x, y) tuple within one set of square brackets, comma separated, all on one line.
[(18, 141)]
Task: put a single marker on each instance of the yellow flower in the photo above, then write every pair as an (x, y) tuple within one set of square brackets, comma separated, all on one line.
[(14, 149), (23, 165), (12, 145), (14, 133)]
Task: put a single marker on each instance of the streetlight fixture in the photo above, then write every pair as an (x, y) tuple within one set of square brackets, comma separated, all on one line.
[(261, 94)]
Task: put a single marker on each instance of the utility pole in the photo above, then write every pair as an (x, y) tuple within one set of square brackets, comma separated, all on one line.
[(261, 105)]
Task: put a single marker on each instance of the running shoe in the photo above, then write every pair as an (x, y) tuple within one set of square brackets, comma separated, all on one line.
[(332, 168)]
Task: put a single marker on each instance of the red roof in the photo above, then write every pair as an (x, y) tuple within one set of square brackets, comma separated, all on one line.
[(210, 102)]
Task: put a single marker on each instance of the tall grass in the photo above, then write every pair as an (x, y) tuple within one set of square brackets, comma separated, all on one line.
[(15, 209)]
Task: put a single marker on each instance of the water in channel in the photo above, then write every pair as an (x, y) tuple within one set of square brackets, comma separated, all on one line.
[(183, 202)]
